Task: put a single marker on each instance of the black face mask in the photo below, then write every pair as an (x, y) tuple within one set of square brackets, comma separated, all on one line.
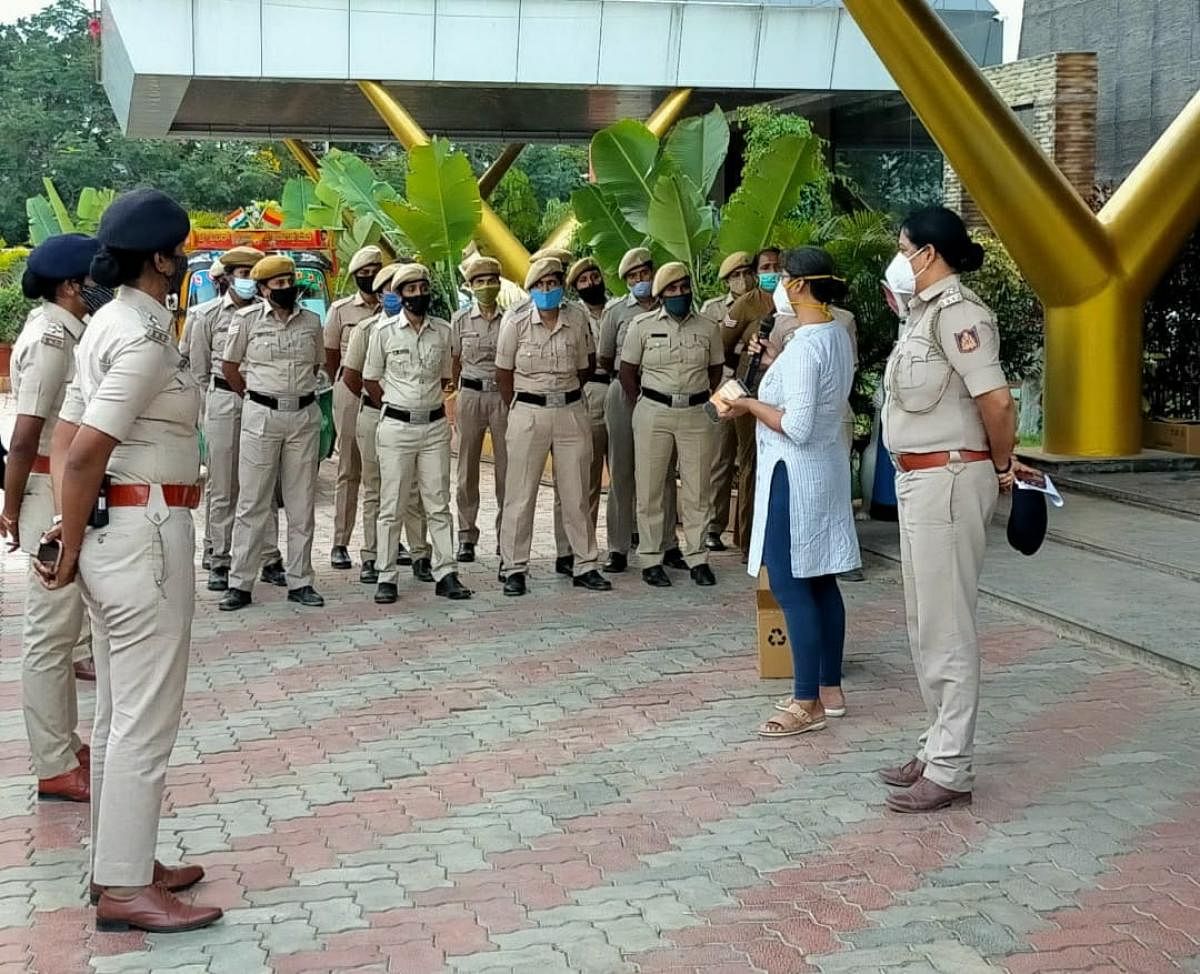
[(284, 297), (593, 294), (175, 278), (365, 282), (678, 305), (94, 297), (418, 304)]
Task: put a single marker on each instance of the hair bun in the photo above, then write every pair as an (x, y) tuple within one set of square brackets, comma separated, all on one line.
[(972, 258), (106, 269), (31, 285)]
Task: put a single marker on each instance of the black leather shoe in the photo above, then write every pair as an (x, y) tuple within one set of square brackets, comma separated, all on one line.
[(235, 599), (450, 587), (656, 576), (423, 570), (616, 563), (592, 580), (635, 540), (403, 558), (673, 558), (305, 596), (515, 584), (385, 594), (367, 574), (713, 542), (565, 565), (703, 575), (466, 551), (218, 580), (339, 557), (274, 574)]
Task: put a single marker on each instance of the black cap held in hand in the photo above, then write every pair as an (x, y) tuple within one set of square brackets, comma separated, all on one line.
[(1027, 520), (144, 220)]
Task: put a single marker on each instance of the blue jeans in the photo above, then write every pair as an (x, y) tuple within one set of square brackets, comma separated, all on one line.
[(812, 607)]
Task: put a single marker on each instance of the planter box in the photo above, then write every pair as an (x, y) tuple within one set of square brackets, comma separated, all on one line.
[(774, 650), (1178, 437)]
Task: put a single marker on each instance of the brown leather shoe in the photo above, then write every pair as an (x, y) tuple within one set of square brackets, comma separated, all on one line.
[(84, 757), (926, 796), (85, 669), (904, 776), (173, 878), (73, 786), (154, 909)]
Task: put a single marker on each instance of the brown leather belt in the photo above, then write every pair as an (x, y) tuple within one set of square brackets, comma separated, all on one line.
[(138, 495), (41, 464), (908, 462)]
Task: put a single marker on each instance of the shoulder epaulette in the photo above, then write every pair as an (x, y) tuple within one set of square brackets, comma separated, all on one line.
[(53, 334)]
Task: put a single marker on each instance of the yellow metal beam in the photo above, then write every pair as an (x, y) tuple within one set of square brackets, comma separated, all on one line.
[(1091, 273), (496, 171), (507, 249), (660, 121), (304, 156)]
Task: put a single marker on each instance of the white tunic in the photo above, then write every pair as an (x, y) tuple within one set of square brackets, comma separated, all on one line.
[(810, 382)]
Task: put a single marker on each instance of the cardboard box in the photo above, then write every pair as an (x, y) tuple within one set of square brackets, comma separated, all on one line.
[(774, 650), (1178, 437)]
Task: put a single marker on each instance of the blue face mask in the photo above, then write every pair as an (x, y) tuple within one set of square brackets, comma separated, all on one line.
[(245, 288), (641, 290), (391, 303), (768, 280), (548, 300)]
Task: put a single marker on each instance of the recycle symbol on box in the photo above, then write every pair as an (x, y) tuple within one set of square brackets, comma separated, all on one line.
[(776, 637)]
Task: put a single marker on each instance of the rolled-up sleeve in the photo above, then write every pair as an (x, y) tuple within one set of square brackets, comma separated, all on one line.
[(236, 340), (138, 371)]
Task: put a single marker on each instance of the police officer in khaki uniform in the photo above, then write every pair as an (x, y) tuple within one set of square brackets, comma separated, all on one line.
[(204, 344), (220, 280), (673, 357), (408, 363), (474, 332), (55, 622), (949, 423), (637, 271), (737, 274), (542, 360), (129, 427), (272, 355), (339, 323)]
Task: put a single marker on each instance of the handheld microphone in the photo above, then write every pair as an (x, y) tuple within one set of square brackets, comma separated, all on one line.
[(736, 388)]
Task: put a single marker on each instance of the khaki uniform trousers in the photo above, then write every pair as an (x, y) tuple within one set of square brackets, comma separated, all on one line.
[(414, 457), (479, 413), (660, 433), (944, 514), (138, 580), (745, 429), (621, 510), (724, 463), (223, 434), (349, 468), (534, 433), (595, 394), (276, 448), (415, 528)]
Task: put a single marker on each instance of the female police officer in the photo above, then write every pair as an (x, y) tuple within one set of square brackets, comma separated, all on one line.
[(134, 405), (949, 423)]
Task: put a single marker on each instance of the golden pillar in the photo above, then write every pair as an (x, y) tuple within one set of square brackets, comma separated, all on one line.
[(661, 119), (305, 157), (513, 256), (497, 170), (1092, 272)]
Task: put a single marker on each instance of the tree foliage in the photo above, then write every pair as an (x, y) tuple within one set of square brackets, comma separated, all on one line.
[(516, 204)]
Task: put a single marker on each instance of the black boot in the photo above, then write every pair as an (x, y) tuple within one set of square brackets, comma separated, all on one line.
[(423, 570), (306, 596), (565, 565), (385, 594), (235, 599), (657, 576), (616, 563), (403, 558), (702, 575), (339, 557), (218, 580), (274, 574), (367, 574), (515, 584), (593, 581), (450, 587), (673, 558), (713, 542), (466, 551)]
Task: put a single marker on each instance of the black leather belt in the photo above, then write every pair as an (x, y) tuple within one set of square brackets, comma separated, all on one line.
[(479, 385), (550, 398), (603, 377), (679, 400), (367, 404), (219, 383), (287, 404), (418, 416)]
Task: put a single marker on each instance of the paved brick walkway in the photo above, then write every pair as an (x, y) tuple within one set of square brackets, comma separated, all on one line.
[(570, 782)]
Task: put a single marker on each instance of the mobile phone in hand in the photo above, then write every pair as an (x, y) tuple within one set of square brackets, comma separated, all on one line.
[(49, 552)]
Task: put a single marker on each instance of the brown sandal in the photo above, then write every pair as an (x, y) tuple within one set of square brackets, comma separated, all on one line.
[(790, 722)]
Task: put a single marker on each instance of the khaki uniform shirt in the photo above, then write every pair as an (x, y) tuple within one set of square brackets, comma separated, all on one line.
[(614, 324), (674, 356), (135, 386), (473, 339), (276, 357), (718, 310), (544, 359), (411, 365), (205, 335), (355, 357), (205, 307), (948, 353), (343, 316), (43, 362)]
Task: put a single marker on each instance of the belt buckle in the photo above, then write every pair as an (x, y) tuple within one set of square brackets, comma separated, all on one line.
[(556, 398), (287, 404), (419, 415), (489, 385), (680, 399)]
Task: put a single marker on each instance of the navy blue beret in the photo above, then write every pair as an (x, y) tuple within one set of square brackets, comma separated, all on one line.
[(144, 220), (1027, 521), (66, 257)]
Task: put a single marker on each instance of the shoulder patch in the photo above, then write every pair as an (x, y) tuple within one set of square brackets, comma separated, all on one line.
[(157, 331), (52, 336), (950, 298), (967, 340)]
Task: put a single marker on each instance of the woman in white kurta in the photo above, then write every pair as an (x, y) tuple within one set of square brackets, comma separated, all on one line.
[(803, 521)]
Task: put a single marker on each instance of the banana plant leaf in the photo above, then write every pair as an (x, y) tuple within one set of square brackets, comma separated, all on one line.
[(697, 146), (605, 231), (299, 194), (623, 159), (91, 206), (770, 189), (65, 223), (325, 210), (43, 224), (444, 207), (680, 220), (356, 186)]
